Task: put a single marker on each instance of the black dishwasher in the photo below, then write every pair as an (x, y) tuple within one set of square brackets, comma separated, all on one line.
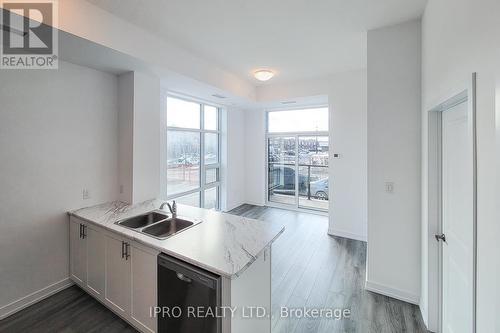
[(188, 297)]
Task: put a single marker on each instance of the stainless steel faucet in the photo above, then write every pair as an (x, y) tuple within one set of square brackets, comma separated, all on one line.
[(172, 208)]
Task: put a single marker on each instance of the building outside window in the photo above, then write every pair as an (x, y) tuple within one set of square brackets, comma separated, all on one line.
[(193, 153)]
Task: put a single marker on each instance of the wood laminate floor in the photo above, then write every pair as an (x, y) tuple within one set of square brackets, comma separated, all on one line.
[(69, 311), (309, 269), (314, 270)]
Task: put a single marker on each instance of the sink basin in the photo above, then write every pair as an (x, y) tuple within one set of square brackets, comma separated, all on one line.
[(144, 220), (169, 227), (157, 224)]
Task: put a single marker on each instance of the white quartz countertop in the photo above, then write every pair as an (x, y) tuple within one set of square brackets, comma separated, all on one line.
[(223, 243)]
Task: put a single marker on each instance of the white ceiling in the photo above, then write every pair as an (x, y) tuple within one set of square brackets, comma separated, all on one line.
[(296, 38)]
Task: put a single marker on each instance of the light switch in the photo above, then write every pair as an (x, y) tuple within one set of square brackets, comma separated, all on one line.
[(389, 187)]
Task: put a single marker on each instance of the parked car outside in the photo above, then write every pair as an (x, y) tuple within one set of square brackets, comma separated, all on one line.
[(319, 189), (282, 181)]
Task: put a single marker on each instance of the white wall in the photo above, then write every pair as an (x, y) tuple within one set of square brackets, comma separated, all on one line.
[(146, 169), (139, 137), (454, 46), (58, 135), (394, 80), (234, 168), (346, 96), (495, 269), (348, 109), (125, 136), (255, 157)]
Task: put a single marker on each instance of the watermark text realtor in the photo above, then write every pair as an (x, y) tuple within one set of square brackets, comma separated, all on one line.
[(28, 39), (247, 312)]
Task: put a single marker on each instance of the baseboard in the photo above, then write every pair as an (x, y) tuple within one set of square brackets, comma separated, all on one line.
[(345, 234), (254, 203), (230, 208), (34, 297), (392, 292), (423, 313)]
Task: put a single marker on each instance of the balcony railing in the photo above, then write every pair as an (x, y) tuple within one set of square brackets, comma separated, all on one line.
[(283, 181)]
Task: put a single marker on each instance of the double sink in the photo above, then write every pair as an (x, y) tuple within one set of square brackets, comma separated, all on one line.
[(158, 224)]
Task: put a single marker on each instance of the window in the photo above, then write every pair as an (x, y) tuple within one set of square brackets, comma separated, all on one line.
[(297, 158), (193, 153), (305, 120)]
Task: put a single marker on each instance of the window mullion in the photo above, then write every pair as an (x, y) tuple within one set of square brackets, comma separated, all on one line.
[(182, 194), (212, 166), (203, 167), (297, 171), (202, 156), (219, 158)]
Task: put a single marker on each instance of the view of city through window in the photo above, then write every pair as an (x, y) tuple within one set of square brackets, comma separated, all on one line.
[(297, 157), (192, 132)]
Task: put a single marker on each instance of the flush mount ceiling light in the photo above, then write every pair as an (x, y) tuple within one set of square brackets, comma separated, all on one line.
[(263, 74)]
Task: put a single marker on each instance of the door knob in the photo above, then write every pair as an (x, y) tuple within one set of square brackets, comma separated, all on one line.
[(440, 237)]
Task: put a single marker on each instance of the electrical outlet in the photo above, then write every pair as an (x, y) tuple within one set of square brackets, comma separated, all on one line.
[(85, 194), (389, 187)]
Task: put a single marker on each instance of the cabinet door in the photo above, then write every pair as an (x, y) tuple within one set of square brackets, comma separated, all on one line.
[(78, 257), (144, 267), (118, 282), (96, 246)]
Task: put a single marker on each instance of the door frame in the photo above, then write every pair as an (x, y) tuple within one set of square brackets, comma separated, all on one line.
[(435, 218), (296, 135)]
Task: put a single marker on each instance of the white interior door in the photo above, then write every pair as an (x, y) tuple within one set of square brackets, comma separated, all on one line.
[(458, 221)]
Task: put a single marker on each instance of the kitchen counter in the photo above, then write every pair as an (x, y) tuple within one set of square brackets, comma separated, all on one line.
[(223, 243)]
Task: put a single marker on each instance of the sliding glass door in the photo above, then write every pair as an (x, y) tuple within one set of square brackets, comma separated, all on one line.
[(313, 172), (297, 162), (282, 169)]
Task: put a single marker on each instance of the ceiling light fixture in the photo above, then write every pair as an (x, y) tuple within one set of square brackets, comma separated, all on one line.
[(263, 74)]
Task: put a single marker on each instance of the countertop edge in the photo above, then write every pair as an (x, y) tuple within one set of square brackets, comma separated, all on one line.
[(181, 257), (244, 268)]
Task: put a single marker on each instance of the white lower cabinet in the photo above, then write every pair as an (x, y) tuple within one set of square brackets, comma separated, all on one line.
[(95, 261), (87, 257), (117, 271), (78, 253), (144, 275), (118, 282)]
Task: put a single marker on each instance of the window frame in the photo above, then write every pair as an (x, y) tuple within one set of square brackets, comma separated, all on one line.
[(203, 166), (296, 108), (268, 135)]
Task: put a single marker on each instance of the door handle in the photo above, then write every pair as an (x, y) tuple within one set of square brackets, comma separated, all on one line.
[(80, 235), (441, 237), (127, 251), (83, 231), (184, 278)]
